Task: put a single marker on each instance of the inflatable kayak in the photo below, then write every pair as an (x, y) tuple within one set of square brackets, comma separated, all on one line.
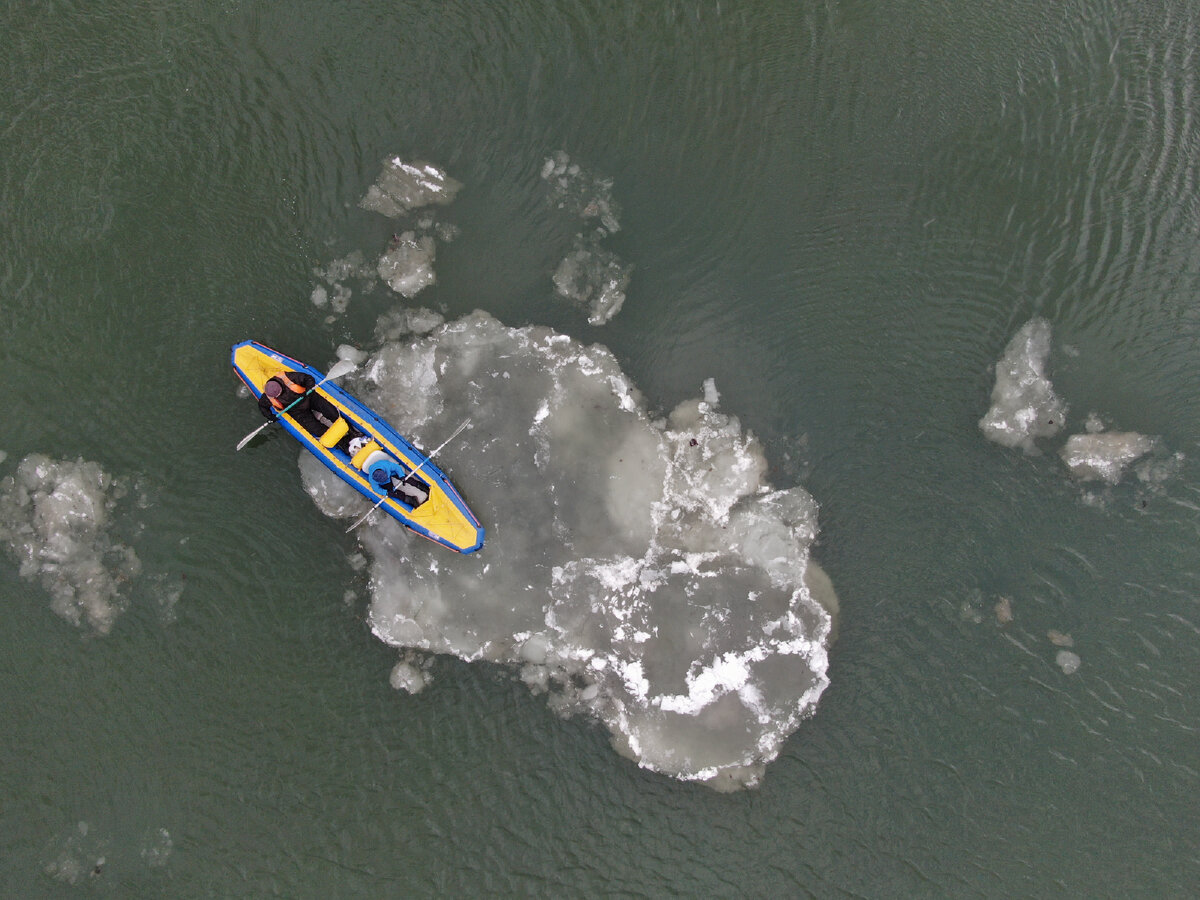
[(360, 448)]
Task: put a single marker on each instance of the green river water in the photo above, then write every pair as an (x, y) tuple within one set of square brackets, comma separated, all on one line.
[(840, 211)]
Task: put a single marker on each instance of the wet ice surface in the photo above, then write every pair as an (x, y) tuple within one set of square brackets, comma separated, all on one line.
[(1024, 405), (594, 278), (589, 275), (56, 517), (640, 570), (335, 293)]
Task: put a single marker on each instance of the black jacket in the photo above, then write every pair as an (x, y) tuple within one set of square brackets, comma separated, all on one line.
[(309, 412)]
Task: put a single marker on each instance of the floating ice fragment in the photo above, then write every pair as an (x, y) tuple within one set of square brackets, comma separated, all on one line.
[(407, 266), (711, 397), (76, 855), (595, 279), (1104, 456), (55, 517), (407, 677), (1004, 613), (1067, 661), (402, 187), (589, 275), (1024, 405), (350, 353)]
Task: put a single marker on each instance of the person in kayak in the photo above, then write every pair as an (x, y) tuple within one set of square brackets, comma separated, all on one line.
[(400, 485), (313, 413)]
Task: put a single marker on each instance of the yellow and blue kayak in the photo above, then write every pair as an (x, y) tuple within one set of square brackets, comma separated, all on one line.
[(386, 467)]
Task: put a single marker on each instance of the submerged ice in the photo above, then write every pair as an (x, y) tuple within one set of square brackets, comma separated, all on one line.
[(589, 275), (56, 517), (1104, 456), (637, 569)]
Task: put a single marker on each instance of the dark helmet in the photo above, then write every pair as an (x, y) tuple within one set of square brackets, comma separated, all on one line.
[(273, 389)]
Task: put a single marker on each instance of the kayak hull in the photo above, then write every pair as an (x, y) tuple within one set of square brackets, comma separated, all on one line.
[(444, 517)]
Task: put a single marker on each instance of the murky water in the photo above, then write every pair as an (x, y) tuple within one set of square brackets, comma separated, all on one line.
[(735, 298)]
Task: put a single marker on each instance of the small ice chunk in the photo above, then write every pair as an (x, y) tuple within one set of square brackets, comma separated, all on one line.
[(1004, 613), (405, 186), (1024, 405), (320, 296), (407, 266), (407, 677), (594, 278), (1104, 456), (1067, 661), (57, 518), (156, 847), (350, 353), (711, 397)]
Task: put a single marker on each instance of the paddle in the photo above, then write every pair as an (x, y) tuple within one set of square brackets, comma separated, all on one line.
[(344, 367), (457, 432)]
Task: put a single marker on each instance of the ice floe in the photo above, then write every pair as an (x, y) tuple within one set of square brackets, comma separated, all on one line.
[(57, 518), (1068, 661), (1104, 456), (81, 853), (402, 187), (1025, 409), (639, 569), (407, 266), (1024, 405)]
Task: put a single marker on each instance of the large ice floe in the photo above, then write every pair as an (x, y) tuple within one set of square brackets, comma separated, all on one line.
[(638, 569), (56, 516)]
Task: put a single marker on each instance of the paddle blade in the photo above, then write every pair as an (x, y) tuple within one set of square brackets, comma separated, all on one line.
[(251, 436), (340, 368)]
